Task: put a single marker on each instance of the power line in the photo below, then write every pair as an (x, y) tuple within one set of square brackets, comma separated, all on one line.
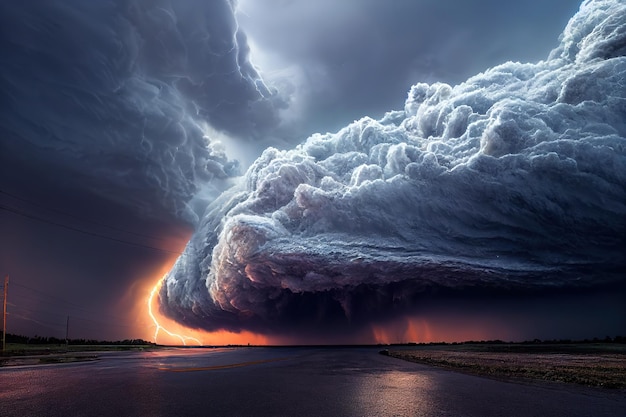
[(85, 232), (80, 218), (33, 314), (103, 323), (38, 296), (61, 300), (56, 299), (52, 304), (51, 326)]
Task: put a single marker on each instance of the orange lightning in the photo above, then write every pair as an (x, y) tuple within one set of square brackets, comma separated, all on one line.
[(159, 327)]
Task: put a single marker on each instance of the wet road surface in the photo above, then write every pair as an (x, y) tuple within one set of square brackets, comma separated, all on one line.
[(281, 382)]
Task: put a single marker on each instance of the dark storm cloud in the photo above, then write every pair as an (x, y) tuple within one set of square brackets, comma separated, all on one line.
[(513, 180), (117, 96), (353, 58)]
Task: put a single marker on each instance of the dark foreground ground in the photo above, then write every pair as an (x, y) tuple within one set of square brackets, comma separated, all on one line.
[(281, 382), (598, 365), (17, 354)]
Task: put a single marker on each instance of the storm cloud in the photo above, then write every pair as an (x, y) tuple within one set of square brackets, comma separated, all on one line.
[(512, 180), (345, 60), (135, 100)]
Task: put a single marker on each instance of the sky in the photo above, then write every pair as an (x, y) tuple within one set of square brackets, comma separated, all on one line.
[(312, 194)]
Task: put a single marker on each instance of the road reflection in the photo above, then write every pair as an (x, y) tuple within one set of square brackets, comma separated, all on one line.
[(395, 393), (262, 382)]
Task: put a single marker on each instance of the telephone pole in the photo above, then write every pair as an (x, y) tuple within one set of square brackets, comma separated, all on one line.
[(4, 315), (67, 331)]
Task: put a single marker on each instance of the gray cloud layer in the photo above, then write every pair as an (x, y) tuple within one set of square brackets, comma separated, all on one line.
[(344, 60), (117, 95), (513, 179)]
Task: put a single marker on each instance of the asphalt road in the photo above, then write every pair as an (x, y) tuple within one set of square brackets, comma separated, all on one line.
[(281, 382)]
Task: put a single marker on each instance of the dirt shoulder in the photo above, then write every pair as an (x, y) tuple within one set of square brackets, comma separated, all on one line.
[(598, 366)]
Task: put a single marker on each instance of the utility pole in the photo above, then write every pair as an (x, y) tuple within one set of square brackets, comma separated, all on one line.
[(67, 331), (4, 315)]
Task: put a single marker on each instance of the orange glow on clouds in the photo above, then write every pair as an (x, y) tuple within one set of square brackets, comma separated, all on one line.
[(153, 326), (158, 327), (141, 301), (442, 328), (169, 332), (433, 326), (401, 331)]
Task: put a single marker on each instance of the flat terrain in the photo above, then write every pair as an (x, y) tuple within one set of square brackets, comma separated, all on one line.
[(599, 365), (305, 381), (23, 354), (20, 349)]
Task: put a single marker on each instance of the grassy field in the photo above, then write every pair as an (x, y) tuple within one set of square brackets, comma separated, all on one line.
[(27, 354), (20, 349), (593, 364)]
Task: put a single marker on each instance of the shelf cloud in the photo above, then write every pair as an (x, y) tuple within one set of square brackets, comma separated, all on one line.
[(514, 180)]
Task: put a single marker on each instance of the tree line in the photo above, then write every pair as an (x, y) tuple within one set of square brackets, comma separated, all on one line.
[(44, 340)]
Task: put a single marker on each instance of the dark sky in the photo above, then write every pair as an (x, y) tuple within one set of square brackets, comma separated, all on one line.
[(121, 120)]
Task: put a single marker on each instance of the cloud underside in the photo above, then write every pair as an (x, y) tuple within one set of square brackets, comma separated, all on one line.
[(514, 180)]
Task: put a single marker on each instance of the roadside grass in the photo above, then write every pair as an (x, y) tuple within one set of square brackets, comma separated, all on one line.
[(17, 354), (21, 349), (598, 365)]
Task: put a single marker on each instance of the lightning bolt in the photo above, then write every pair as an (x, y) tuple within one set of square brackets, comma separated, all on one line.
[(159, 327)]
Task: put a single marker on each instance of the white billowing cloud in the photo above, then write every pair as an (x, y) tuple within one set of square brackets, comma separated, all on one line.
[(513, 179)]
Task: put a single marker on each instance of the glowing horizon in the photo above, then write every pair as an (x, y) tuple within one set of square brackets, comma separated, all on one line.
[(158, 326), (161, 327), (405, 329)]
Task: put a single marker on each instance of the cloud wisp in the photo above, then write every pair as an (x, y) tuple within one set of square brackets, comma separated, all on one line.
[(512, 180)]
